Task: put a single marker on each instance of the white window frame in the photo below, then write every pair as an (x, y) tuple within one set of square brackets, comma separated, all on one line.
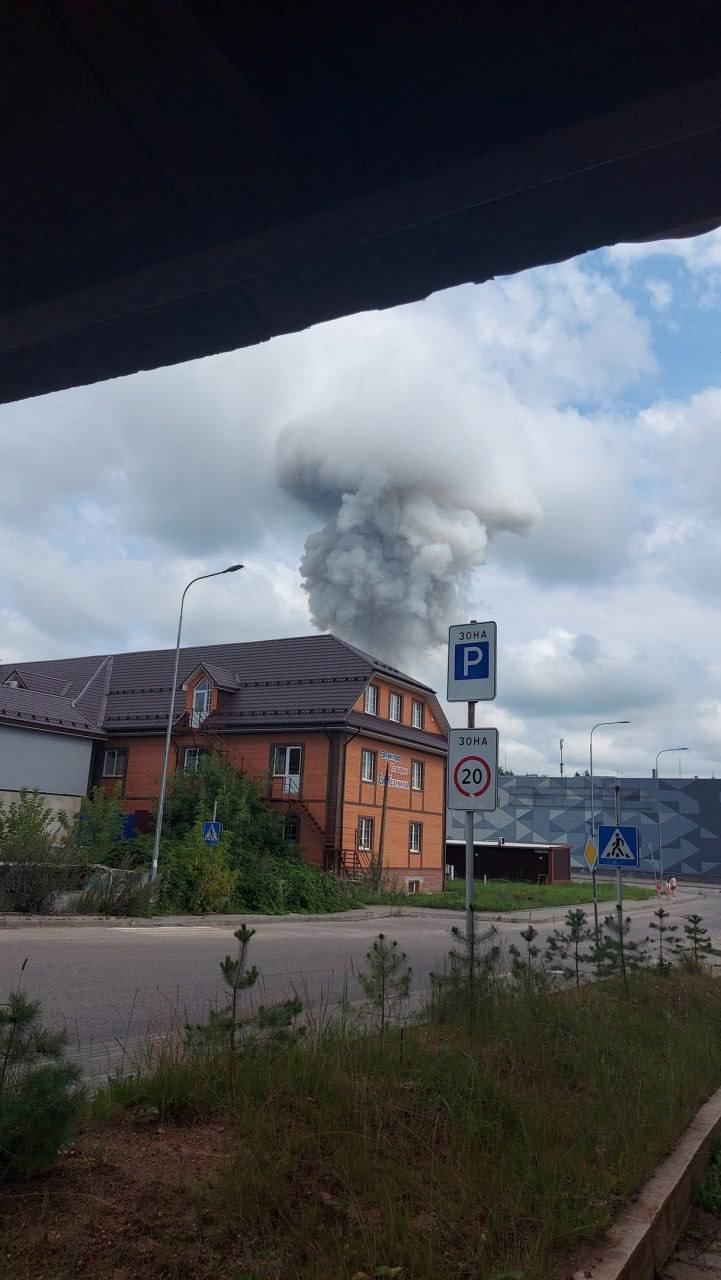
[(395, 702), (366, 757), (370, 700), (291, 778), (194, 754), (417, 772), (418, 714), (121, 755), (201, 710), (365, 834), (415, 837)]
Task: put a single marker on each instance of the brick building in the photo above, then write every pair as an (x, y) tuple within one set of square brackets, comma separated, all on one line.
[(351, 750)]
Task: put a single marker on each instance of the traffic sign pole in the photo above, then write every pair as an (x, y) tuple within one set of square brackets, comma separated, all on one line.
[(470, 853), (619, 877)]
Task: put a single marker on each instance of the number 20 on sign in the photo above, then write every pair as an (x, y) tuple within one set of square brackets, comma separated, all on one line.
[(473, 769)]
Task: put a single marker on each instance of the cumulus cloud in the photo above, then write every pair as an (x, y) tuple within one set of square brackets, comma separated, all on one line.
[(482, 453)]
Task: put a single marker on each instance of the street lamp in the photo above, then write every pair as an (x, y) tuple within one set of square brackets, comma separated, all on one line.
[(233, 568), (660, 753), (601, 725)]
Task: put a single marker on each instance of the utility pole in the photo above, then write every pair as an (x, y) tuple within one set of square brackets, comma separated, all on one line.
[(561, 747)]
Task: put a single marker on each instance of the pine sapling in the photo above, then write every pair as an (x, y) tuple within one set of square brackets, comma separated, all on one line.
[(226, 1026), (695, 945), (664, 930), (388, 979), (523, 967), (39, 1094), (617, 954), (566, 944)]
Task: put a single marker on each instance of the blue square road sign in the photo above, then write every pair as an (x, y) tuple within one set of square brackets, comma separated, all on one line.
[(211, 832), (618, 847)]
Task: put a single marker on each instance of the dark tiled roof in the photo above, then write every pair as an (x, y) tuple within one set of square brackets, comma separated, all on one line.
[(43, 711), (220, 677), (305, 679), (391, 729)]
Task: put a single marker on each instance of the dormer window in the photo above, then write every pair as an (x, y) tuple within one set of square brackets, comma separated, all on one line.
[(201, 702)]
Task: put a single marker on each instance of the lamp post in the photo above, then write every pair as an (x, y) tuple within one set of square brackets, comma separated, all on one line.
[(601, 725), (660, 753), (233, 568)]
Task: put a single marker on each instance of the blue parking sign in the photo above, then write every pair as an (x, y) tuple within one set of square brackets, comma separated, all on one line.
[(472, 662)]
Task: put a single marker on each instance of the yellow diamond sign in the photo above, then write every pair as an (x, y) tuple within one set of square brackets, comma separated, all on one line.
[(590, 854)]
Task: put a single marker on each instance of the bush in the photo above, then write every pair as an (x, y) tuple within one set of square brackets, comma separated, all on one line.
[(36, 865), (39, 1098), (94, 835), (278, 885), (195, 876)]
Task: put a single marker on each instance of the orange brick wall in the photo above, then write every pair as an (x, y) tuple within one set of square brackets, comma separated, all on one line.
[(250, 754), (385, 688), (403, 805)]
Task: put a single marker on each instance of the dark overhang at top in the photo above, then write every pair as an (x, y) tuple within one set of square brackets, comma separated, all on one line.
[(191, 176)]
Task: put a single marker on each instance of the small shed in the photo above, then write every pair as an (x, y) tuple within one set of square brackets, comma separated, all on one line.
[(502, 860)]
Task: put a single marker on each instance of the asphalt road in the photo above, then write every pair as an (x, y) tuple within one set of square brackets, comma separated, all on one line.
[(114, 987)]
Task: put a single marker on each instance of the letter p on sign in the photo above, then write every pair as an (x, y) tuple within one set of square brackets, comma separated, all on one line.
[(472, 661)]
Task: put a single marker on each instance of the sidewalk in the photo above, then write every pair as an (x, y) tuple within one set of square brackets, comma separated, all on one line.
[(539, 915)]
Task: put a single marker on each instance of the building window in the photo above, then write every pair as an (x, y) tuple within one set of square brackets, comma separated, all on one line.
[(370, 701), (415, 842), (365, 833), (192, 758), (416, 775), (292, 828), (201, 702), (368, 766), (115, 763), (418, 710), (286, 765), (395, 707), (414, 886)]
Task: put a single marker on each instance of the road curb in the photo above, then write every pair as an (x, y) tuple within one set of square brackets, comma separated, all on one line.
[(640, 1243), (542, 915)]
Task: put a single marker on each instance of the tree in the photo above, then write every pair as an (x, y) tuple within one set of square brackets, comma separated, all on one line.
[(226, 1027), (523, 966), (663, 964), (95, 833), (566, 944), (616, 953), (695, 945), (252, 827), (388, 980), (39, 1095)]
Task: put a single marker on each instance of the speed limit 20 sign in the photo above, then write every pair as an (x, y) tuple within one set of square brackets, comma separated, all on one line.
[(473, 769)]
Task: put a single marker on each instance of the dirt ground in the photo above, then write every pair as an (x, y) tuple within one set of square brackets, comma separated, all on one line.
[(127, 1201)]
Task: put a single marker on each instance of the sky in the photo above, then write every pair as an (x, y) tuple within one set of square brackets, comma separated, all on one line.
[(543, 450)]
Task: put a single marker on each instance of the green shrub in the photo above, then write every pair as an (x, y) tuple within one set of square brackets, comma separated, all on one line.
[(276, 885), (36, 863), (195, 876), (39, 1098), (94, 833)]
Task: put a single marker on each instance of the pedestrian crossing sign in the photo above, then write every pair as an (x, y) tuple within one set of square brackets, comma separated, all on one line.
[(211, 832), (590, 854), (618, 847)]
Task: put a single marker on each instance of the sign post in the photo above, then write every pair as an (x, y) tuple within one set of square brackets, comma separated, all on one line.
[(472, 753), (618, 847)]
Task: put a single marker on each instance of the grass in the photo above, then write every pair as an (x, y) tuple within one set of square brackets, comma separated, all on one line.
[(508, 895), (483, 1142)]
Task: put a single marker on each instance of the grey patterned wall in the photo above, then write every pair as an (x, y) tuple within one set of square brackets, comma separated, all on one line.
[(537, 809)]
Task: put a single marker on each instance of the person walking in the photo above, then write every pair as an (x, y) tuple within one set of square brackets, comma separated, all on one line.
[(673, 886)]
